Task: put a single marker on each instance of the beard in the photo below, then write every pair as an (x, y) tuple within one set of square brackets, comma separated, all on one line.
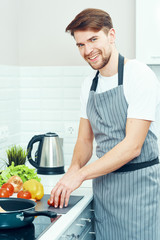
[(102, 64)]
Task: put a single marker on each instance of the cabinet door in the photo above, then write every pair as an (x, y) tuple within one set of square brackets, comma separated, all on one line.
[(148, 31)]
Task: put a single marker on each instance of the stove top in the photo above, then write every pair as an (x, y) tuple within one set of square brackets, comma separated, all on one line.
[(32, 231)]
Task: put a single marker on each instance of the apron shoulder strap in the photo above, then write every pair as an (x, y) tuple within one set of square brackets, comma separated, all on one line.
[(120, 69), (94, 82)]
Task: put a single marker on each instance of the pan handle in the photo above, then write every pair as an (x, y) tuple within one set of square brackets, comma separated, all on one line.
[(40, 213)]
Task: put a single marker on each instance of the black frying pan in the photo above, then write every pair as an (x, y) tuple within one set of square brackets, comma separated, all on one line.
[(19, 212)]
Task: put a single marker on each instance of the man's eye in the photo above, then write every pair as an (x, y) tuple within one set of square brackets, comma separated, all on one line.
[(80, 45), (93, 39)]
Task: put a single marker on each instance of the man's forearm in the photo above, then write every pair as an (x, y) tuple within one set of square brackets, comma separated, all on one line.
[(111, 161), (82, 153), (122, 153)]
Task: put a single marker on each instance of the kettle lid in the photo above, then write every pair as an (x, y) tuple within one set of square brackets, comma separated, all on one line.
[(50, 134)]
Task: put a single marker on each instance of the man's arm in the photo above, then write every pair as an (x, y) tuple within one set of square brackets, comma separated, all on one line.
[(122, 153), (81, 155)]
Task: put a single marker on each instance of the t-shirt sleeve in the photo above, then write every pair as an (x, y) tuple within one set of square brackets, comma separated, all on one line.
[(143, 94)]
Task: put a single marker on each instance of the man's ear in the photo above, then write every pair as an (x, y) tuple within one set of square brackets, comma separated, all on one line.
[(112, 35)]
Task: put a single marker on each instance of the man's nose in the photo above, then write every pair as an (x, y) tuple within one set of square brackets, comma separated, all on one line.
[(88, 49)]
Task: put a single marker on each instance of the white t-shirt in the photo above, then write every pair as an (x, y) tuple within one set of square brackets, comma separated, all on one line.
[(141, 90)]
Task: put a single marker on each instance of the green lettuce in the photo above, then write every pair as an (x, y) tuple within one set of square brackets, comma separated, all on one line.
[(24, 172)]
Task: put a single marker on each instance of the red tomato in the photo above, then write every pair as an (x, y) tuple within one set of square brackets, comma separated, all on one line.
[(49, 203), (59, 200), (4, 193), (9, 187), (24, 194)]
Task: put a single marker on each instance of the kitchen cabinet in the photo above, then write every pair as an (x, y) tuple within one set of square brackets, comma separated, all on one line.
[(83, 227), (148, 31)]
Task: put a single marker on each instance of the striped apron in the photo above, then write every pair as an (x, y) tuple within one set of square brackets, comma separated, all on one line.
[(127, 201)]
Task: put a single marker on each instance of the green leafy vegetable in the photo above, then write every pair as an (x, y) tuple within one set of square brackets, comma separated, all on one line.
[(24, 172)]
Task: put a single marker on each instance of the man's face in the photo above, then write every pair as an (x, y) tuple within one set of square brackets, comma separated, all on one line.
[(95, 47)]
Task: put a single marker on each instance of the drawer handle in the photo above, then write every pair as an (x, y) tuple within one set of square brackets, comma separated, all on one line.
[(91, 210), (80, 225), (86, 219)]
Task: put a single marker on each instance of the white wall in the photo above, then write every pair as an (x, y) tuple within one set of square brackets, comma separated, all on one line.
[(32, 32), (42, 37), (9, 32)]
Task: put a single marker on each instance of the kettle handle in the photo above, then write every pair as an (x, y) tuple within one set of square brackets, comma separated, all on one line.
[(36, 138)]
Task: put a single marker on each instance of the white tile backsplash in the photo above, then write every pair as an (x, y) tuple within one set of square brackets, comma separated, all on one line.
[(72, 104), (30, 104), (53, 92), (53, 82), (71, 93), (36, 100), (30, 93)]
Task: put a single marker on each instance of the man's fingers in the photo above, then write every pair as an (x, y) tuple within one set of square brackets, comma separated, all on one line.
[(62, 198), (52, 196), (67, 198), (57, 196)]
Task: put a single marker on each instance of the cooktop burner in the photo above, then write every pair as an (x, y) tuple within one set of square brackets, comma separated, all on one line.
[(31, 232)]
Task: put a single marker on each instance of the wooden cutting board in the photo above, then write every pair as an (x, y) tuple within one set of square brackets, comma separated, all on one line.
[(42, 204)]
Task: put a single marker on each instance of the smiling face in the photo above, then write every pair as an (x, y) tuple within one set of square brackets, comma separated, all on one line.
[(95, 46)]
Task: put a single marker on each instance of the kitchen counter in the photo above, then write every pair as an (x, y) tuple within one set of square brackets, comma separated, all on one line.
[(65, 221)]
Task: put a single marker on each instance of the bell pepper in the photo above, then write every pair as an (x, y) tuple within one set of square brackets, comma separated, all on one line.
[(35, 188)]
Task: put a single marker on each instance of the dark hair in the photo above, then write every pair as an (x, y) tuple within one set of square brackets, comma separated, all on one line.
[(90, 18)]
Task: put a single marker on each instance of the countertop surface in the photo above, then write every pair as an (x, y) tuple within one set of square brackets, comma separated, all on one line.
[(61, 225)]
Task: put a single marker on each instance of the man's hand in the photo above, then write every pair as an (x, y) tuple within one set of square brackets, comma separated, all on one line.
[(74, 176), (66, 185)]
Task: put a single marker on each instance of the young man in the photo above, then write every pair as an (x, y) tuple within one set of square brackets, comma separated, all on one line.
[(120, 108)]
